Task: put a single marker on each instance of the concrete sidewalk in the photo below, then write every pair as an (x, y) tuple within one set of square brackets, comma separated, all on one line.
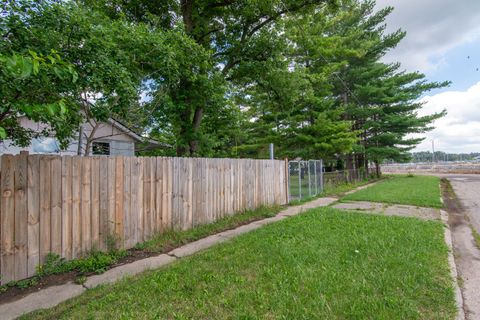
[(52, 296)]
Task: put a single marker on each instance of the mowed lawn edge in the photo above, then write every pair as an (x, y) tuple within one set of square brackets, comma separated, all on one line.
[(422, 191), (325, 263)]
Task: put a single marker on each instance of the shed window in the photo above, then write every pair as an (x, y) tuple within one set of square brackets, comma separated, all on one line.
[(101, 148)]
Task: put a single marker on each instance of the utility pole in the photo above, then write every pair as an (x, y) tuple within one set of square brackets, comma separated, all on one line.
[(271, 151)]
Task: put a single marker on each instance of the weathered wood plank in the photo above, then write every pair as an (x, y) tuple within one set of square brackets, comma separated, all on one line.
[(86, 205), (67, 207), (127, 198), (119, 192), (56, 205), (147, 210), (176, 200), (76, 206), (103, 206), (141, 193), (95, 207), (21, 216), (189, 193), (33, 208), (153, 217), (137, 210), (158, 162), (7, 219), (111, 237), (45, 206)]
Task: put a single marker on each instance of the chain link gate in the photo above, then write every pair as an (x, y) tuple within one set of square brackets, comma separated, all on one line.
[(305, 179)]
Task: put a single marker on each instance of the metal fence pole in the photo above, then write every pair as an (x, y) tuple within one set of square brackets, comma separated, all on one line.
[(315, 170), (299, 179), (321, 175), (309, 180)]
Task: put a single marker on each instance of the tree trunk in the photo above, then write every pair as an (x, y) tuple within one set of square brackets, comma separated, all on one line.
[(197, 120), (349, 162), (377, 169)]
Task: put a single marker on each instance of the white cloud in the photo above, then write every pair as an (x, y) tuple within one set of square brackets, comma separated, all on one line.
[(433, 27), (459, 130)]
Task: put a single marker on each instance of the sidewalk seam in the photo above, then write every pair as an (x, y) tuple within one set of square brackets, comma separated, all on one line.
[(453, 268)]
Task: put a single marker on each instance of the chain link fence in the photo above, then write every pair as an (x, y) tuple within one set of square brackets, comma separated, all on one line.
[(307, 178), (342, 177)]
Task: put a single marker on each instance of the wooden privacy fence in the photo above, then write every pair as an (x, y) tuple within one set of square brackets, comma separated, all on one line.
[(72, 205)]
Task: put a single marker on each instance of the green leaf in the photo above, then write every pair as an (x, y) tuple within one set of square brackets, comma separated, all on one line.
[(36, 66), (3, 133), (51, 109), (58, 72)]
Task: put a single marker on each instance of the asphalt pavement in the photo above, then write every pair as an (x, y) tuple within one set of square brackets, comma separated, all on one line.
[(467, 189)]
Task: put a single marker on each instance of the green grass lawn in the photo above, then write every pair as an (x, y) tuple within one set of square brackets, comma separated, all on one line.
[(323, 264), (423, 191)]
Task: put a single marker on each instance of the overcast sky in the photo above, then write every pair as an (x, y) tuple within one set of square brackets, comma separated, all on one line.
[(443, 41)]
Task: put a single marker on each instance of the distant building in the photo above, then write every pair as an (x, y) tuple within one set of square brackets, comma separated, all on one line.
[(103, 138)]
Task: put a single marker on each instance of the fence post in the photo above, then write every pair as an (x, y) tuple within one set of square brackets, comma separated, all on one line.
[(309, 180), (321, 175), (287, 182), (300, 179)]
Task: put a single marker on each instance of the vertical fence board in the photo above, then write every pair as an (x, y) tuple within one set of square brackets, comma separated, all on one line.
[(151, 191), (21, 216), (103, 203), (164, 167), (159, 181), (45, 205), (119, 200), (56, 205), (147, 210), (112, 168), (86, 203), (95, 194), (33, 209), (141, 194), (189, 193), (135, 178), (76, 206), (127, 198), (7, 223), (67, 207)]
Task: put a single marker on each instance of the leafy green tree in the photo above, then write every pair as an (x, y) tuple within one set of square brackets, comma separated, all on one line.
[(236, 35), (36, 87), (379, 99), (116, 60)]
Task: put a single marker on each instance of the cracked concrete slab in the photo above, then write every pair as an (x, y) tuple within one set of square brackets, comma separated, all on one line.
[(240, 230), (46, 298), (197, 246), (360, 205), (320, 202), (129, 269), (391, 209), (292, 211), (270, 220)]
